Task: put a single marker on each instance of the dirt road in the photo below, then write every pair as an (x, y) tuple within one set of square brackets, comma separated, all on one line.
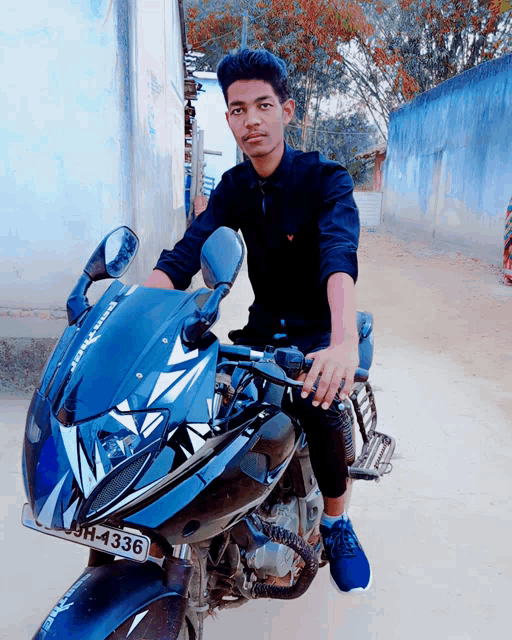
[(437, 530)]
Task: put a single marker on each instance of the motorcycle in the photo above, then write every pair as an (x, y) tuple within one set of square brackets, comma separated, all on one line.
[(169, 455)]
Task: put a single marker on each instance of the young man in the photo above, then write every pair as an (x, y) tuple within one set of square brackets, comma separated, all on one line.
[(301, 227)]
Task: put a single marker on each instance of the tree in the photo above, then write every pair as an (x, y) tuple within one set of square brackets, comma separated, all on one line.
[(308, 34), (342, 137), (417, 44)]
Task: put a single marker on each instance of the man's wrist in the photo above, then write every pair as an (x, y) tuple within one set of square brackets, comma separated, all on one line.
[(344, 338), (159, 280)]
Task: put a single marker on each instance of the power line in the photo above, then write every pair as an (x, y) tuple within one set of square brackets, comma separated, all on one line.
[(350, 133)]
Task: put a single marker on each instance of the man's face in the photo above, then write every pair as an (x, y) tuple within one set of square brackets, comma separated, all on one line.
[(256, 117)]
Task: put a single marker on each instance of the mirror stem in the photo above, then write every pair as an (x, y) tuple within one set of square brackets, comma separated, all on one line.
[(203, 319), (77, 302)]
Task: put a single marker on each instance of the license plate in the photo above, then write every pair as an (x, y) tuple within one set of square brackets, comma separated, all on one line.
[(107, 539)]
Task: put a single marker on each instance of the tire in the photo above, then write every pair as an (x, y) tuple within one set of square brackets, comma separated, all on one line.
[(156, 623)]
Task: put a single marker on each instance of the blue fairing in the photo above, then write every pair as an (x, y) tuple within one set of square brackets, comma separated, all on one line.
[(118, 390), (120, 338)]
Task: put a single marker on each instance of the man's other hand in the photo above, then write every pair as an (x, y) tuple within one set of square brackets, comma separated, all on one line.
[(335, 364)]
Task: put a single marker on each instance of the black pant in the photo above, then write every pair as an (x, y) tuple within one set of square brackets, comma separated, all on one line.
[(323, 428)]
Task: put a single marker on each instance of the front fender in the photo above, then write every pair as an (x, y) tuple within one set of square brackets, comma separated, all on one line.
[(106, 599)]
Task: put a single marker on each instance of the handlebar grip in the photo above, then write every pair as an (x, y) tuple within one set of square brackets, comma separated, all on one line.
[(361, 375)]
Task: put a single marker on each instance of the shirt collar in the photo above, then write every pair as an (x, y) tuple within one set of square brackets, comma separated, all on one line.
[(280, 176)]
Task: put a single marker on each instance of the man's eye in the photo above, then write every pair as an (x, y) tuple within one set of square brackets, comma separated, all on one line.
[(236, 112), (266, 105)]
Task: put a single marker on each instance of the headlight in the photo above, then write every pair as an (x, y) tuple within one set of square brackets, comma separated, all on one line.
[(96, 448)]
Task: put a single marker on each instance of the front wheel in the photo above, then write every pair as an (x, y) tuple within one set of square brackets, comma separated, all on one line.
[(158, 621)]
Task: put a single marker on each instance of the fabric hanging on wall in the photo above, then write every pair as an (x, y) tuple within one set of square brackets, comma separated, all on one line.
[(507, 251)]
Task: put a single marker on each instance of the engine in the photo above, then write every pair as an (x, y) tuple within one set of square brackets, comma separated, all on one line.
[(299, 515)]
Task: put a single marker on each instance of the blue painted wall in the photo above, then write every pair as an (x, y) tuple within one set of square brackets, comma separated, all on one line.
[(91, 137), (448, 169)]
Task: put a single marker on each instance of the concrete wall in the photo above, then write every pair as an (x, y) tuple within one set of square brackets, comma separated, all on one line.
[(210, 116), (369, 204), (448, 170), (92, 120)]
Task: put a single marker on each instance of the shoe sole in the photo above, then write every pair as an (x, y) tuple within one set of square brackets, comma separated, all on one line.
[(356, 590)]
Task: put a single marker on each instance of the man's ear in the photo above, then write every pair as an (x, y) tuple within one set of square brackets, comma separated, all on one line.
[(288, 110)]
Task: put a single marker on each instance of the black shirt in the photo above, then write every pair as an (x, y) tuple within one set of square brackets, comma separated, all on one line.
[(300, 225)]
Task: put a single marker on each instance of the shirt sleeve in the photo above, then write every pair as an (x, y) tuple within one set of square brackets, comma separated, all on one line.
[(338, 222), (184, 261)]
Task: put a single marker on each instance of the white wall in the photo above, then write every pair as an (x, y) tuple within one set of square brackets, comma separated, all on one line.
[(210, 115), (91, 112)]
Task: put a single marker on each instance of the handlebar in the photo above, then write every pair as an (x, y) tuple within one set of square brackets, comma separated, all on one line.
[(250, 358)]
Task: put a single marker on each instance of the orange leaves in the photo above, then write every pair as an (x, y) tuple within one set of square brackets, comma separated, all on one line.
[(499, 6), (202, 30), (406, 84)]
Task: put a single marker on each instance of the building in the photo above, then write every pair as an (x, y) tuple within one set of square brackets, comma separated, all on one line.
[(94, 125), (368, 196)]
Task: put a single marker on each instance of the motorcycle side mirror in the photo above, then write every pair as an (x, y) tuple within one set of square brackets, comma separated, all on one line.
[(113, 255), (221, 257), (111, 259)]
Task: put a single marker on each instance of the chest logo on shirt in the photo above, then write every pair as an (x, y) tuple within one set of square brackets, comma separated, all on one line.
[(290, 236)]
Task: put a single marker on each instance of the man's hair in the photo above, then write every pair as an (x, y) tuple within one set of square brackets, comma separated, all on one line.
[(257, 64)]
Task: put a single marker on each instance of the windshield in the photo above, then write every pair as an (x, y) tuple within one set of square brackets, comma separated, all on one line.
[(116, 335)]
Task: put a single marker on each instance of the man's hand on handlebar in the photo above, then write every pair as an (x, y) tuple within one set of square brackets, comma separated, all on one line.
[(336, 365)]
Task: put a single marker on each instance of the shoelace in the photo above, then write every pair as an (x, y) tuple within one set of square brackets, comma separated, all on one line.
[(342, 540)]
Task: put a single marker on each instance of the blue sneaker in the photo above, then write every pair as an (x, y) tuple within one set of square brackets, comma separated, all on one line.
[(350, 569)]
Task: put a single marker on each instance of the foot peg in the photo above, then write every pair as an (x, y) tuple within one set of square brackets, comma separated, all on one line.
[(374, 460)]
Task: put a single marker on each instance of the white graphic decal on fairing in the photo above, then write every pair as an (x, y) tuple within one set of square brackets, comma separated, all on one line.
[(136, 621), (98, 463), (126, 421), (45, 516), (149, 420), (92, 337), (123, 406), (197, 441), (88, 479), (188, 379), (71, 445), (209, 404), (187, 453), (171, 433), (178, 354), (131, 290), (152, 426), (165, 380), (67, 516), (201, 427), (62, 604)]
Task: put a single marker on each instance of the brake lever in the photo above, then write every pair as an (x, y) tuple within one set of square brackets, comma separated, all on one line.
[(361, 375), (267, 369)]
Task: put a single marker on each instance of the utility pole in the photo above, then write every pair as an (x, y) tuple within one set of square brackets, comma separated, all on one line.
[(243, 45), (244, 30)]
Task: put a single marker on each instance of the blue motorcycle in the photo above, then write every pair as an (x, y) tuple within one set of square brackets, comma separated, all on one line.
[(169, 455)]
